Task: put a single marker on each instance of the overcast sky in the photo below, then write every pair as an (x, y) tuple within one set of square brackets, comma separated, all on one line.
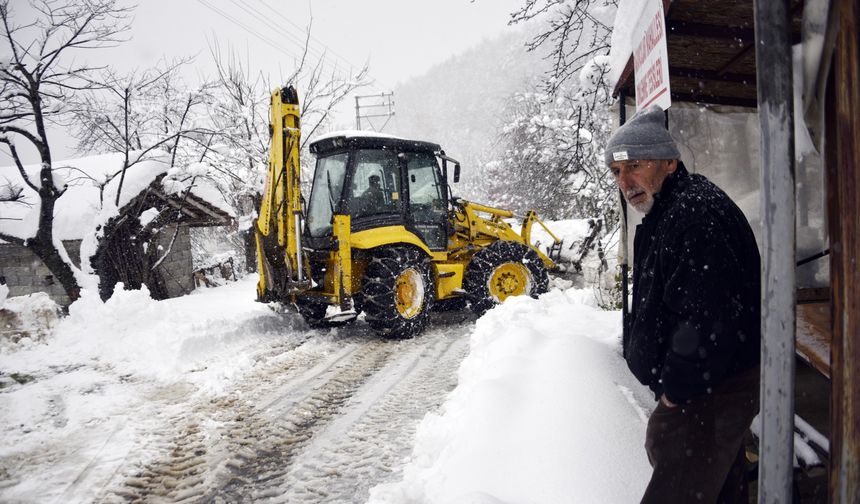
[(399, 38)]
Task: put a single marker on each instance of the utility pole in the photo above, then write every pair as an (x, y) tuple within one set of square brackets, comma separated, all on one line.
[(376, 106)]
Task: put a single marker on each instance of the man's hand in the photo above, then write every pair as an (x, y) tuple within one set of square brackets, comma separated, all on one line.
[(667, 402)]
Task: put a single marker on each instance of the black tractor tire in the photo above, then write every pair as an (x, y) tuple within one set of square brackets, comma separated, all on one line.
[(504, 268), (397, 292), (313, 311)]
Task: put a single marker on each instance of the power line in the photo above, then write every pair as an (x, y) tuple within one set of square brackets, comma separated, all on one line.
[(295, 40), (274, 44), (247, 29), (328, 49), (267, 40)]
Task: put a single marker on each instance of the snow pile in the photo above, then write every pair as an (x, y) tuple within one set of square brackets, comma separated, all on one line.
[(131, 333), (136, 334), (110, 374), (25, 320), (544, 411)]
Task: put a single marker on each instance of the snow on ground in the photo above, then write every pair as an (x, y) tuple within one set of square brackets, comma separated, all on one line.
[(4, 292), (544, 412), (215, 396), (83, 394)]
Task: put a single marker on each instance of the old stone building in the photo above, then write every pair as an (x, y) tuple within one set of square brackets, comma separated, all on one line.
[(147, 241)]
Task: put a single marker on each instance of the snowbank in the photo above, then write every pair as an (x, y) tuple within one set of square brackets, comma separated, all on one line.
[(132, 333), (544, 412), (96, 357), (25, 320)]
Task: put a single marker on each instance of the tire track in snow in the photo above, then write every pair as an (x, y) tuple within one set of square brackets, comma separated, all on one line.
[(217, 444), (369, 442), (268, 443), (322, 420), (186, 440)]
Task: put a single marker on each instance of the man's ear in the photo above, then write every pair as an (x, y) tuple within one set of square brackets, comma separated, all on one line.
[(672, 166)]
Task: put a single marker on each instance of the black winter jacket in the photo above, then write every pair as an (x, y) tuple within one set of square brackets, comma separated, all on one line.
[(695, 316)]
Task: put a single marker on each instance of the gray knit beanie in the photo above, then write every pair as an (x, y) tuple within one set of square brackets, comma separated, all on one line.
[(644, 136)]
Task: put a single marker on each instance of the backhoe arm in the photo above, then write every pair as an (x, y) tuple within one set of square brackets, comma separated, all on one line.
[(281, 266)]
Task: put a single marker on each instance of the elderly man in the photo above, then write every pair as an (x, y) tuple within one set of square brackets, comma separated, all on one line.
[(693, 333)]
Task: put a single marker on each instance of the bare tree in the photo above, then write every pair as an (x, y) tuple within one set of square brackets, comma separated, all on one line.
[(141, 115), (556, 138), (11, 192), (36, 86), (239, 116), (552, 145), (138, 115), (240, 110), (575, 32), (577, 35)]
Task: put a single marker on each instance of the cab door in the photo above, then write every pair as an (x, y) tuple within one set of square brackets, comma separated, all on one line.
[(428, 205)]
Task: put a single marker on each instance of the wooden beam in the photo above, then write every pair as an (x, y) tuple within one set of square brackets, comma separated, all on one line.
[(714, 99), (845, 271), (689, 29), (174, 203), (776, 110), (695, 73), (625, 261)]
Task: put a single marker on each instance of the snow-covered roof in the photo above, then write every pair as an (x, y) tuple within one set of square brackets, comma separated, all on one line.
[(356, 133), (76, 211), (710, 48), (628, 13), (367, 139)]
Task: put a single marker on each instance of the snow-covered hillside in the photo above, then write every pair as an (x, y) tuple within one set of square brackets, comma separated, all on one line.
[(457, 103)]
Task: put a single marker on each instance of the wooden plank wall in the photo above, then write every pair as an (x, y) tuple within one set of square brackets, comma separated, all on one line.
[(845, 270)]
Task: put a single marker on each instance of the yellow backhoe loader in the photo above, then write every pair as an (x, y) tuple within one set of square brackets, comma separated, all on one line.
[(381, 233)]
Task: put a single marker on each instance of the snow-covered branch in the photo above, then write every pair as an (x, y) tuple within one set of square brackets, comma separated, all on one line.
[(574, 32), (37, 85)]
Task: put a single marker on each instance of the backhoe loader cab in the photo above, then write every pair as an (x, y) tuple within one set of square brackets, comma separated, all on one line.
[(381, 233), (378, 181)]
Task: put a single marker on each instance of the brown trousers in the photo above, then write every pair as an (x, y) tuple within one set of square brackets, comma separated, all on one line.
[(696, 449)]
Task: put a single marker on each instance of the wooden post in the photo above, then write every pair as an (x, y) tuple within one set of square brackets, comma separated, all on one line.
[(775, 109), (625, 261), (845, 262)]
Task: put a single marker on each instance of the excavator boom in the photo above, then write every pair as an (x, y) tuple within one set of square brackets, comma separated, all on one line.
[(280, 218)]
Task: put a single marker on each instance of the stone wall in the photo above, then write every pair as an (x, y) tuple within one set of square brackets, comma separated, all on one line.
[(24, 273), (176, 269)]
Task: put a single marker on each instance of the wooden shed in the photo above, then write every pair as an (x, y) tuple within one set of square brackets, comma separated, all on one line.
[(145, 213), (739, 54)]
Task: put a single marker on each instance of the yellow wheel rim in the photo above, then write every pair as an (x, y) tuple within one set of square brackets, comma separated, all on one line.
[(509, 279), (409, 293)]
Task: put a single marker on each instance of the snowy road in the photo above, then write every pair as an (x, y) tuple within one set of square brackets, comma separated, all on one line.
[(321, 422), (213, 397), (317, 416)]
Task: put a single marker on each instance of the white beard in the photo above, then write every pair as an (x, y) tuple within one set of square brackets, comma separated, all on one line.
[(645, 206)]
